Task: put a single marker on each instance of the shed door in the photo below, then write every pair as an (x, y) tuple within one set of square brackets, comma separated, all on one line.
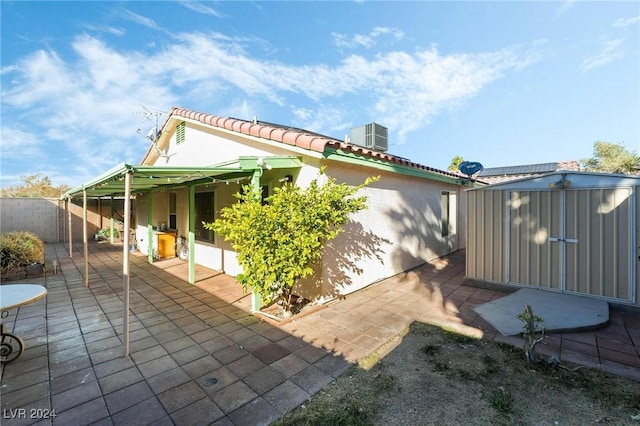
[(534, 217), (572, 240)]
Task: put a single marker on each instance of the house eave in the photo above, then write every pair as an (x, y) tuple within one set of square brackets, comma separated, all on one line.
[(352, 158)]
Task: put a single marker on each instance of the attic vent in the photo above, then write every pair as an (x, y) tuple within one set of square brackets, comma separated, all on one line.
[(372, 136), (180, 132)]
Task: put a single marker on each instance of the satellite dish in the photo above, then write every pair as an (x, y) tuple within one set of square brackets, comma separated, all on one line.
[(470, 168)]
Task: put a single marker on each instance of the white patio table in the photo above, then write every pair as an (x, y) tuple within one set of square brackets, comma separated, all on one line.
[(13, 296)]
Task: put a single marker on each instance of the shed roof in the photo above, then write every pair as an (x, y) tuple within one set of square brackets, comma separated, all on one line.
[(555, 180)]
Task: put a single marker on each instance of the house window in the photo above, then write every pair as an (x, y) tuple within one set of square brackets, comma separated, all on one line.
[(445, 204), (180, 130), (204, 212), (173, 218)]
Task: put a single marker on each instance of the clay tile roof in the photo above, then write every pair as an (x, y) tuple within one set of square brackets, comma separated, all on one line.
[(296, 137)]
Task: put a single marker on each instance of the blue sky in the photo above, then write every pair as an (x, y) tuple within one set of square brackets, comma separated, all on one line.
[(502, 83)]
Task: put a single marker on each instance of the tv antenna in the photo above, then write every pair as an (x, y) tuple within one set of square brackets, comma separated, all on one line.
[(149, 116), (469, 168)]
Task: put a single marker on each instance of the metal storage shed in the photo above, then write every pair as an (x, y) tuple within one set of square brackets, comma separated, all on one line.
[(564, 231)]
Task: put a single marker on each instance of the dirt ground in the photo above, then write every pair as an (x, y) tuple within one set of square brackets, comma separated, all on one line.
[(436, 377)]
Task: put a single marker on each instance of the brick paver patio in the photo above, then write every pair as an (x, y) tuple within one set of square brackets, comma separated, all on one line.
[(198, 356)]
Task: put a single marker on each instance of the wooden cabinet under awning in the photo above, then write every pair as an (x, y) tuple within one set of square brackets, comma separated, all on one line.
[(165, 244)]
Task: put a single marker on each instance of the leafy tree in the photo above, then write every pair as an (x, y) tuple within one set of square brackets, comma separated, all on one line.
[(612, 158), (455, 163), (35, 185), (279, 241)]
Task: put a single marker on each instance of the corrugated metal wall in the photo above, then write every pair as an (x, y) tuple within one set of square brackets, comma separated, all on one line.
[(577, 240), (486, 236), (600, 263), (534, 217)]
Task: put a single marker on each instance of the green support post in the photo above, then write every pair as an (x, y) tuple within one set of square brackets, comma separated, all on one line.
[(111, 221), (256, 303), (192, 234)]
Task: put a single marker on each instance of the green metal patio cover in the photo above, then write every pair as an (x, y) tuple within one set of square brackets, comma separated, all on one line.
[(148, 178), (126, 180)]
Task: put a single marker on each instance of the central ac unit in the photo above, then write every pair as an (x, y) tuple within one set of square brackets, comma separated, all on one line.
[(372, 136)]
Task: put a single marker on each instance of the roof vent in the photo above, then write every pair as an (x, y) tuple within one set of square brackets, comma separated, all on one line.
[(372, 136)]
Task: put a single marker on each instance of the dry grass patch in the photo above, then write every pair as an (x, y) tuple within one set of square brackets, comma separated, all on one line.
[(438, 377)]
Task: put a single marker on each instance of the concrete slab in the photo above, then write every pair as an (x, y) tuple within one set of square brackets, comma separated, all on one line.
[(561, 312)]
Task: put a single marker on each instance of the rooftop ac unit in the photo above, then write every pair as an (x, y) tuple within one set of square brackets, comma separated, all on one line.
[(372, 136)]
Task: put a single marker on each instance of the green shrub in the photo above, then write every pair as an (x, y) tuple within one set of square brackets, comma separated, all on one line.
[(106, 233), (19, 249), (279, 241), (502, 400)]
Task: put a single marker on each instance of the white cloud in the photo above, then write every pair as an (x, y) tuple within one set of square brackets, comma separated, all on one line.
[(17, 143), (139, 19), (323, 117), (609, 53), (365, 40), (623, 23), (86, 105), (106, 29), (87, 102), (200, 8)]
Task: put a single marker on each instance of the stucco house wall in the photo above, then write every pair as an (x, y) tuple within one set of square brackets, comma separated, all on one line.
[(401, 229)]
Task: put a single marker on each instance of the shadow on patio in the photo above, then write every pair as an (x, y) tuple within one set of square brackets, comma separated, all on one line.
[(196, 357), (199, 357)]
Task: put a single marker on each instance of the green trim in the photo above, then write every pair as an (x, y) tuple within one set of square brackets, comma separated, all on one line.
[(351, 158), (279, 162), (148, 178)]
